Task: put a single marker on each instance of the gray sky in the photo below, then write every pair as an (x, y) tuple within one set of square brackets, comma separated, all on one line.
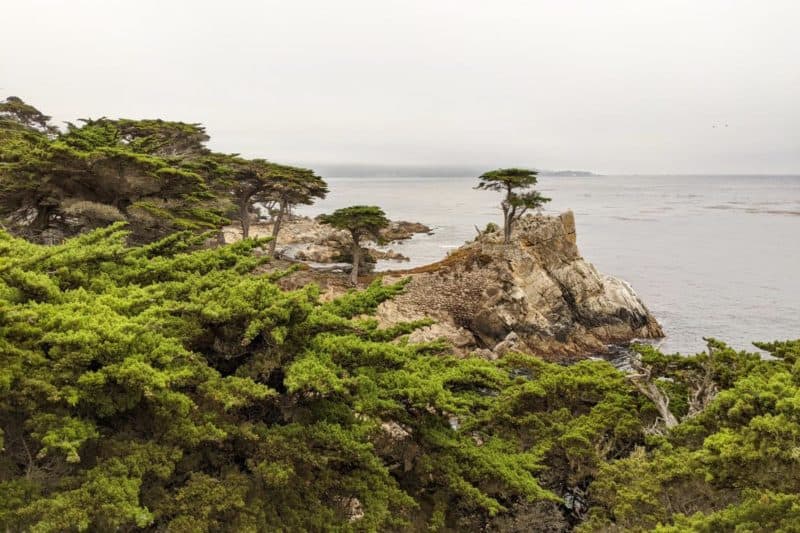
[(605, 85)]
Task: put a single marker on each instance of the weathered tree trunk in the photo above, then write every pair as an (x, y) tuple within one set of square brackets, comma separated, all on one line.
[(356, 261), (42, 220), (508, 215), (659, 399), (702, 391), (509, 226), (642, 380), (276, 228), (244, 217), (506, 224)]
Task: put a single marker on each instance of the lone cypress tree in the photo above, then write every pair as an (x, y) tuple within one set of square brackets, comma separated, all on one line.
[(518, 184), (361, 221)]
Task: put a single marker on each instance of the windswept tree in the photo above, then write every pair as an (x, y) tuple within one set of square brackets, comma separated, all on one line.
[(151, 173), (157, 175), (15, 112), (520, 196), (25, 138), (279, 187), (248, 178), (362, 221), (289, 187)]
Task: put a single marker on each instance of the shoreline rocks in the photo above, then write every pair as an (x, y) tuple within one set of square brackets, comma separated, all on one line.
[(306, 239), (535, 295)]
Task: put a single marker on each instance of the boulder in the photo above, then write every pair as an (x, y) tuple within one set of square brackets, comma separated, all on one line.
[(389, 254), (403, 230)]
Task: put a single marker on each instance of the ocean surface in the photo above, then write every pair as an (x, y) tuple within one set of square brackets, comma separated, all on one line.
[(711, 256)]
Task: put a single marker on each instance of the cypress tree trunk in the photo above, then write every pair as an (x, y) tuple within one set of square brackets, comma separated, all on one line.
[(276, 228), (42, 219), (244, 218), (506, 224), (356, 261), (507, 215)]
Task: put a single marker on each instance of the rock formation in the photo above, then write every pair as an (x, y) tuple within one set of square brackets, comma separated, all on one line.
[(306, 239), (536, 295)]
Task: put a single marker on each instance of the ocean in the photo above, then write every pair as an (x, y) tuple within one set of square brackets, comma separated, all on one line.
[(710, 255)]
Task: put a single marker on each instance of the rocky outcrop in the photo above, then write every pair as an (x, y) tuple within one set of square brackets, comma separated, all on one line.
[(401, 230), (306, 239), (535, 294)]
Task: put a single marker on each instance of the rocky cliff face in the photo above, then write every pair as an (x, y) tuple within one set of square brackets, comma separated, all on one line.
[(536, 294)]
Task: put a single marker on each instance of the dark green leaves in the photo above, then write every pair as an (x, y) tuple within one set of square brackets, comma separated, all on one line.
[(360, 220), (166, 386), (517, 184)]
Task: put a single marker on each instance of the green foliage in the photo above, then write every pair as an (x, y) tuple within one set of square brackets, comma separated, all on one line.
[(517, 184), (733, 463), (503, 179), (157, 175), (286, 185), (166, 387), (14, 113), (279, 188), (758, 511), (362, 221), (104, 170)]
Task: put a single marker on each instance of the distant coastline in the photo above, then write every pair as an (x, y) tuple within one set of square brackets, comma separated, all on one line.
[(568, 173), (422, 171)]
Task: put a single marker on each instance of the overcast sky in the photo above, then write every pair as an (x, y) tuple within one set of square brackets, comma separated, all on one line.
[(613, 86)]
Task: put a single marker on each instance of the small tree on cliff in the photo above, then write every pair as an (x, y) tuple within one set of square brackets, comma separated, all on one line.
[(520, 196), (361, 221)]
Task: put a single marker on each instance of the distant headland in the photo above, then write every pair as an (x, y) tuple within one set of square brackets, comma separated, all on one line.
[(421, 171)]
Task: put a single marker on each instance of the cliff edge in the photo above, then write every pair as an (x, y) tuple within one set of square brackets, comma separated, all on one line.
[(535, 294)]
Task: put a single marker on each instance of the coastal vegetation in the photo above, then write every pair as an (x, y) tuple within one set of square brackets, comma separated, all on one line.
[(276, 188), (361, 221), (160, 387), (156, 175), (150, 381), (520, 196)]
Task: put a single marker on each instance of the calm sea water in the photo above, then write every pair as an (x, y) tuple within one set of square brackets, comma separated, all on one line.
[(711, 256)]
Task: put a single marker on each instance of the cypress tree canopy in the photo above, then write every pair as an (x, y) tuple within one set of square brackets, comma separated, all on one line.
[(157, 175), (359, 220), (159, 386)]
